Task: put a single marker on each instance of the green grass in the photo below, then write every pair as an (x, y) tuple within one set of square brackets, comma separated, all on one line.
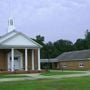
[(61, 73), (12, 76), (81, 83)]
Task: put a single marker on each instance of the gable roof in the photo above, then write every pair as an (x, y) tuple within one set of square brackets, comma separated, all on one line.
[(15, 39), (74, 55)]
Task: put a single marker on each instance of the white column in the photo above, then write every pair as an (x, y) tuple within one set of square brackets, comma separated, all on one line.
[(32, 59), (39, 59), (12, 59), (26, 58), (21, 64)]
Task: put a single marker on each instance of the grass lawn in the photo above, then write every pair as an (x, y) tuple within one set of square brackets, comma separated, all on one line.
[(12, 76), (61, 73), (81, 83), (50, 73)]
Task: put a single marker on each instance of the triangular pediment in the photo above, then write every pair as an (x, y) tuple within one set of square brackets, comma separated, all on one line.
[(19, 39), (8, 35)]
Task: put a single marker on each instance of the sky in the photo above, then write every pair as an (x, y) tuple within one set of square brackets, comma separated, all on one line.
[(53, 19)]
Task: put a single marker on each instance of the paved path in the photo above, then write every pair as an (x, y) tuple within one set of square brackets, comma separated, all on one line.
[(38, 76)]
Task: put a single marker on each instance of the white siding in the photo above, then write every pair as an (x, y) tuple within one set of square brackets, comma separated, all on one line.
[(19, 40), (7, 36)]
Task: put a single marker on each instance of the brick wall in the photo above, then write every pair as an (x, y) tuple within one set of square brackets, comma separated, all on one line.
[(74, 65)]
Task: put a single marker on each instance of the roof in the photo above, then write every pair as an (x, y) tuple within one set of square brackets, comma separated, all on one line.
[(17, 39), (74, 55), (48, 60)]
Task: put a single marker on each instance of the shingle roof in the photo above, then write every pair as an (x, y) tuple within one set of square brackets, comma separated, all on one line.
[(74, 55)]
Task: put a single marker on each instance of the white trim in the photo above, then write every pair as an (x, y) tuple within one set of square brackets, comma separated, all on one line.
[(32, 59), (8, 35), (21, 62), (26, 58), (12, 59), (39, 59)]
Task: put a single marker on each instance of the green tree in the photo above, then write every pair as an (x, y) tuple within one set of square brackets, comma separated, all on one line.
[(63, 45), (87, 38), (53, 49), (40, 39), (80, 44)]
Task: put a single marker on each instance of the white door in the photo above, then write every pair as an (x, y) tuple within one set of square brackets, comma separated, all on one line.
[(17, 63), (18, 60)]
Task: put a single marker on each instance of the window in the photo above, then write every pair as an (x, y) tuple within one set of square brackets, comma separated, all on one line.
[(15, 58), (81, 64), (64, 65), (11, 22)]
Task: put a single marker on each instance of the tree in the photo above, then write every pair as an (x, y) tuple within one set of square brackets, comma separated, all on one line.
[(80, 44), (87, 38), (53, 49), (40, 39), (49, 50), (63, 46)]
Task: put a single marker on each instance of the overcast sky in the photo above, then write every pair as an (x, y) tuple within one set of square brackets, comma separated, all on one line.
[(54, 19)]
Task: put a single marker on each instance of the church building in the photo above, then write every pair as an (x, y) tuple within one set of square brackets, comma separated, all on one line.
[(18, 52)]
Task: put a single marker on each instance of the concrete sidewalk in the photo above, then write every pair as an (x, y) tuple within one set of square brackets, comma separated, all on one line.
[(38, 76)]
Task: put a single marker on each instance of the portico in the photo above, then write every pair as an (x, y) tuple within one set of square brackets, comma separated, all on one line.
[(17, 62), (19, 52)]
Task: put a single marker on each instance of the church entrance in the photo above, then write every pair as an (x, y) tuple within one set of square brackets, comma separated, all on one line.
[(18, 64)]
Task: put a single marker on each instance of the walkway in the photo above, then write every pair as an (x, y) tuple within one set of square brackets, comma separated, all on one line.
[(38, 76)]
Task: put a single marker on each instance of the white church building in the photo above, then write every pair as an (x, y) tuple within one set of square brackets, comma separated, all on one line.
[(18, 52)]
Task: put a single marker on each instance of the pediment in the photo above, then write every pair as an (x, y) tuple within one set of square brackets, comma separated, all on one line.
[(19, 39)]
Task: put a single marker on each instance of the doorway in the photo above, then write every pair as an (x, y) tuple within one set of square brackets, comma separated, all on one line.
[(18, 64)]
